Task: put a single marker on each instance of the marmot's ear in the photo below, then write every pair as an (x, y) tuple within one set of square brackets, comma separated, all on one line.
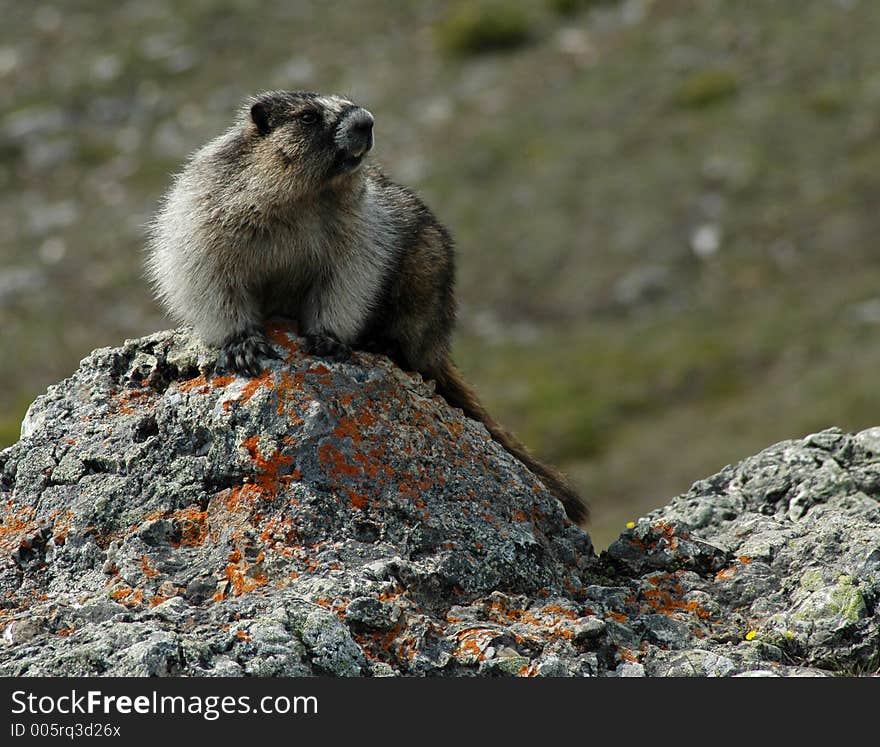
[(260, 117)]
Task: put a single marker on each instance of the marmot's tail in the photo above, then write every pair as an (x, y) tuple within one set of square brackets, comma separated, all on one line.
[(458, 393)]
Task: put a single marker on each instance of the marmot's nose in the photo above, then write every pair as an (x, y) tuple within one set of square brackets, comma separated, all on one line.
[(355, 132)]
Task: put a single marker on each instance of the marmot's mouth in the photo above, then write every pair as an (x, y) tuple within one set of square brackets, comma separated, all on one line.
[(362, 151), (350, 162)]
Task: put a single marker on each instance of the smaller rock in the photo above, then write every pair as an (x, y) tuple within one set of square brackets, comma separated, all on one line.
[(19, 631), (587, 628), (157, 532), (370, 613)]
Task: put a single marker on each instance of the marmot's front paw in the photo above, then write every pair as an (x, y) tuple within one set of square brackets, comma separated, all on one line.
[(327, 347), (243, 354)]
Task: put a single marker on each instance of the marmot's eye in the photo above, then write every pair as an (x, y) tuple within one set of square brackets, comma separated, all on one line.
[(309, 117)]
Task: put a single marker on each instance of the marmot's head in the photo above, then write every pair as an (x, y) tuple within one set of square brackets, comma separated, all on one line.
[(309, 141)]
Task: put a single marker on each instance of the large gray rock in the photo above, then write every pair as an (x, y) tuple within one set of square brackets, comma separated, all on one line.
[(338, 518)]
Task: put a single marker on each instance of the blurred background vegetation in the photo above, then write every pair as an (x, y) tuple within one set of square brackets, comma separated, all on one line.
[(666, 211)]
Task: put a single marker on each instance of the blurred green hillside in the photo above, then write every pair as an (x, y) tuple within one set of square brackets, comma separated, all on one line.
[(667, 212)]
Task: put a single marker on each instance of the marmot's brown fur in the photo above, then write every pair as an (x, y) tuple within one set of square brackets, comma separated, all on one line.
[(279, 216)]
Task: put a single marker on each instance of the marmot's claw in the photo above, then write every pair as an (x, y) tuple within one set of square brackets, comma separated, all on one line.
[(267, 351), (243, 354), (327, 347)]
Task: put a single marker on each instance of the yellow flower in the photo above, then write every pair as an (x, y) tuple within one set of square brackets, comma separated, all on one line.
[(630, 524), (751, 634)]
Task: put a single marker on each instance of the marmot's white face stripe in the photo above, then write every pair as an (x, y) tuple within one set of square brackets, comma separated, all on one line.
[(332, 105)]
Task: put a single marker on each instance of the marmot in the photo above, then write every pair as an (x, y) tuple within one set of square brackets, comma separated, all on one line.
[(280, 216)]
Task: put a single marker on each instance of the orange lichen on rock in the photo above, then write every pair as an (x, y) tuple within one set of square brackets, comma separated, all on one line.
[(323, 374), (127, 596), (550, 622), (61, 527), (200, 383), (286, 388), (379, 646), (668, 533), (203, 385), (243, 577), (726, 573), (266, 483), (628, 655), (278, 535), (336, 462), (269, 465), (357, 500), (276, 333), (390, 595), (14, 525), (557, 609), (365, 417), (454, 427), (370, 465), (250, 389), (193, 526), (407, 648), (668, 600), (347, 427), (148, 570), (320, 369), (651, 543), (472, 644)]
